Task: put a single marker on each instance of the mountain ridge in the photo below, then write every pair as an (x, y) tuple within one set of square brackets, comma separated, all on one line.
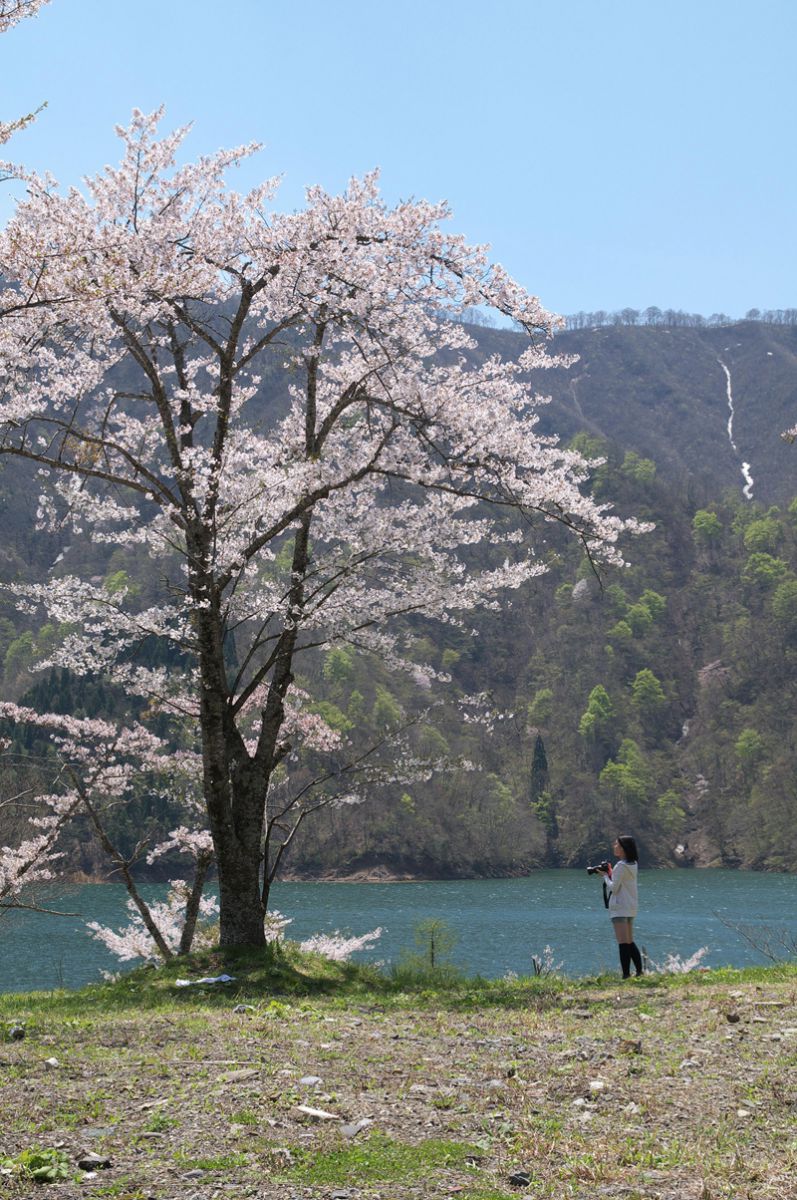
[(662, 392)]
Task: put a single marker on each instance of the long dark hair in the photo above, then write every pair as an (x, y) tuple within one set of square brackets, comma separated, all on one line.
[(629, 848)]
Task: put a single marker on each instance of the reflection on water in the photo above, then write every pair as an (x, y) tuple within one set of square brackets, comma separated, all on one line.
[(500, 922)]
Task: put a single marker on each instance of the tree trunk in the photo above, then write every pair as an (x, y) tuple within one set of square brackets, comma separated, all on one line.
[(193, 902), (234, 796), (241, 908), (235, 803)]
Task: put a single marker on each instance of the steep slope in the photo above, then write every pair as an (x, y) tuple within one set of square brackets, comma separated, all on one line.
[(663, 393)]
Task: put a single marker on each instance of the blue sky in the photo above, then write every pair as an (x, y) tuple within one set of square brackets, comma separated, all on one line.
[(613, 152)]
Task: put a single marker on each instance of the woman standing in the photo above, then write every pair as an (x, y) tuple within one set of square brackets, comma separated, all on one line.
[(621, 885)]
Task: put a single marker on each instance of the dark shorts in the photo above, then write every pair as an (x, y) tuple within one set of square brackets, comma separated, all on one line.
[(622, 918)]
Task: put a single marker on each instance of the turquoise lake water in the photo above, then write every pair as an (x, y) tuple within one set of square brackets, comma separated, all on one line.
[(500, 923)]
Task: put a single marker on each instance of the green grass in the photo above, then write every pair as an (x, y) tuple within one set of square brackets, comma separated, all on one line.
[(221, 1162), (380, 1159), (159, 1123), (277, 980), (245, 1116), (120, 1189)]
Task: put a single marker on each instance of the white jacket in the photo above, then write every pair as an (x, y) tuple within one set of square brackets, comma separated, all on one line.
[(624, 896)]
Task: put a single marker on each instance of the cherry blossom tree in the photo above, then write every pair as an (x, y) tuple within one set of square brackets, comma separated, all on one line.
[(278, 408)]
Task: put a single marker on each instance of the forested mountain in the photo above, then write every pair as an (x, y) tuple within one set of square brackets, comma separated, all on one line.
[(659, 698)]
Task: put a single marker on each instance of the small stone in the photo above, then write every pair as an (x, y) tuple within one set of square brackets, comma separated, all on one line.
[(237, 1076), (16, 1033), (282, 1156), (733, 1017), (354, 1127), (597, 1085), (243, 1008), (51, 1062), (93, 1162), (743, 1112), (316, 1114), (193, 1174), (98, 1131), (520, 1179), (310, 1080)]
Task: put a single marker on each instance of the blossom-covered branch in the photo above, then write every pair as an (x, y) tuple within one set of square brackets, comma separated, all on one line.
[(12, 11), (101, 765)]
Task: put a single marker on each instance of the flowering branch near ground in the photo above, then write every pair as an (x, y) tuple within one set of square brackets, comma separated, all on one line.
[(337, 946), (675, 964), (100, 765), (544, 966)]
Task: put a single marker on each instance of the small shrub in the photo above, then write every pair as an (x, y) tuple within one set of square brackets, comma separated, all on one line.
[(430, 965), (43, 1166)]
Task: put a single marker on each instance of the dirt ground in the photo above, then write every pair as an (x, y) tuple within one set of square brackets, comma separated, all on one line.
[(633, 1091)]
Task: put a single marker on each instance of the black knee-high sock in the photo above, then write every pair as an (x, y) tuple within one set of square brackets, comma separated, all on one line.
[(625, 959), (636, 957)]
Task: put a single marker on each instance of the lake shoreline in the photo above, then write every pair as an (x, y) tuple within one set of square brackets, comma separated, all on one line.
[(382, 874)]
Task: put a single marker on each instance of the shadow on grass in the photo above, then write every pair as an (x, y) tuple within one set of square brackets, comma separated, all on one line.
[(282, 975)]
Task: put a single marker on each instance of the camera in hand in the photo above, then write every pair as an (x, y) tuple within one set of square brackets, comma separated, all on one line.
[(604, 868)]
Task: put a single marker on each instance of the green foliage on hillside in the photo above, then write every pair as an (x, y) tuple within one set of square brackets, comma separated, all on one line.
[(658, 699)]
